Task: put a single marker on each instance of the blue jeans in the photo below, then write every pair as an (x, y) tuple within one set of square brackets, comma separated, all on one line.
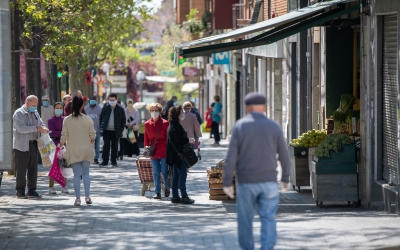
[(266, 196), (97, 146), (81, 169), (159, 165), (179, 180)]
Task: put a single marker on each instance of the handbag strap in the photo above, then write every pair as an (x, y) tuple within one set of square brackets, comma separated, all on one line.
[(159, 128)]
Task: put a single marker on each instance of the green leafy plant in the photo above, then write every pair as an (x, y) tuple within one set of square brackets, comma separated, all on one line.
[(332, 142)]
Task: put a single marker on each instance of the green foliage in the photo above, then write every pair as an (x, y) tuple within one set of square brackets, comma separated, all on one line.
[(195, 27), (332, 142), (88, 31)]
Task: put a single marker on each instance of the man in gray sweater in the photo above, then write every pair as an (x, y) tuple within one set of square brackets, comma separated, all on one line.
[(256, 144), (94, 110)]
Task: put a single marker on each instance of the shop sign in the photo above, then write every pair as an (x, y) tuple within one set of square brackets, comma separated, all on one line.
[(189, 71), (222, 58), (107, 84)]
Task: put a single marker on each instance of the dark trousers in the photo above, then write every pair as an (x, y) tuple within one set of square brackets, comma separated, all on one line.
[(215, 131), (109, 138), (26, 162), (179, 180), (121, 147)]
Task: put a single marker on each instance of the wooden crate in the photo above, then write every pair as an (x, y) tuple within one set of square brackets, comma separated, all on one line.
[(217, 193)]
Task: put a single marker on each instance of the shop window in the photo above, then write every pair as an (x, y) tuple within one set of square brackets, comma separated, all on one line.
[(293, 5)]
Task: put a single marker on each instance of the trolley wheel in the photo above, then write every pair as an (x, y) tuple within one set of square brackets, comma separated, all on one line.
[(294, 187), (321, 204), (298, 189)]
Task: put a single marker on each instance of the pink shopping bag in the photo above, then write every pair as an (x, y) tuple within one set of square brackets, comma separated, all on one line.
[(55, 171)]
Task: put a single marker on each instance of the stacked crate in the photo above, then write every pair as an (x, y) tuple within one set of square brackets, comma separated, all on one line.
[(215, 182)]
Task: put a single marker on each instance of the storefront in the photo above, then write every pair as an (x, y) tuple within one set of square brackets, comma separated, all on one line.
[(379, 105)]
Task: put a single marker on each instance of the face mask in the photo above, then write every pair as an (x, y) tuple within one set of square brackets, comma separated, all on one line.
[(112, 103), (154, 114), (58, 112), (32, 109), (46, 103), (92, 102), (175, 103), (183, 116)]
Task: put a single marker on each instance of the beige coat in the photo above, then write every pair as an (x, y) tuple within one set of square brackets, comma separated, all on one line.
[(191, 125), (79, 133)]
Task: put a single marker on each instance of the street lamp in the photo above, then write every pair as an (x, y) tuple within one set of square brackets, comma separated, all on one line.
[(140, 77)]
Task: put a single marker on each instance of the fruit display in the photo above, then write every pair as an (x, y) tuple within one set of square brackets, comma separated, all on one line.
[(332, 142), (309, 139)]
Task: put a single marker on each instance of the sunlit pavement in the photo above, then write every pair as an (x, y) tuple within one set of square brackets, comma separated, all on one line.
[(120, 218)]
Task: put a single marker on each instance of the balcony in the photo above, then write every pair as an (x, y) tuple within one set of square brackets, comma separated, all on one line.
[(238, 16)]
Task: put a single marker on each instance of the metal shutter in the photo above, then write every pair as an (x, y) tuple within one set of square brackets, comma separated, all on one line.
[(389, 99)]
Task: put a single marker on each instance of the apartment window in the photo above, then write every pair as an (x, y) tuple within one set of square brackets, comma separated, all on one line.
[(293, 5)]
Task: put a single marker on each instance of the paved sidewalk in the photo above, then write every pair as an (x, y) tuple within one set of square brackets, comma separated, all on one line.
[(121, 218)]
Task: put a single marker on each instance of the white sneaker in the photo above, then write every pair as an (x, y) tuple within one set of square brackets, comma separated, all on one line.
[(52, 191), (64, 191)]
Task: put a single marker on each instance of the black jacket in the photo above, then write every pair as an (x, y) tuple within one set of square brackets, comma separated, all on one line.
[(119, 119), (177, 136)]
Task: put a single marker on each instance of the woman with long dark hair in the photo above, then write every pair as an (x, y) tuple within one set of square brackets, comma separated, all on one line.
[(177, 140), (78, 132)]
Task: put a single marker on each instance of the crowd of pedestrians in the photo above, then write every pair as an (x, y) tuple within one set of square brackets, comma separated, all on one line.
[(256, 144)]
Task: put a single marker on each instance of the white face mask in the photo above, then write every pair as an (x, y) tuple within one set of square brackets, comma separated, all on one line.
[(154, 114), (183, 116), (113, 103)]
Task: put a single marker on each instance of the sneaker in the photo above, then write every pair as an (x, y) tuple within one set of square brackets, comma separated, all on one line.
[(96, 161), (121, 158), (34, 195), (64, 191), (88, 200), (157, 196), (103, 164), (52, 190), (21, 196), (187, 200), (216, 144), (114, 165), (77, 202), (176, 200)]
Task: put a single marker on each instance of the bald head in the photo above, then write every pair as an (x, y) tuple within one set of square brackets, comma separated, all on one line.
[(31, 100)]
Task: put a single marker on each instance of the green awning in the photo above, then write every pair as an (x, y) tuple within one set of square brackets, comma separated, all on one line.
[(280, 28)]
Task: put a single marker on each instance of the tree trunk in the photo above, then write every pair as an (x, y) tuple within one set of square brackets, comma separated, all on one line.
[(30, 71), (73, 79), (49, 76)]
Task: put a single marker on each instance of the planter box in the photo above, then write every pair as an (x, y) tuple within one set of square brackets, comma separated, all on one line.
[(334, 182), (348, 154), (300, 174), (298, 152), (334, 168)]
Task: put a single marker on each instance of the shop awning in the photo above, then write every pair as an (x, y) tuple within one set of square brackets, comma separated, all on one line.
[(278, 28), (190, 87)]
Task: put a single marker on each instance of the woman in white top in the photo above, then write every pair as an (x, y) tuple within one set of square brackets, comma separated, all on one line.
[(132, 118), (79, 134)]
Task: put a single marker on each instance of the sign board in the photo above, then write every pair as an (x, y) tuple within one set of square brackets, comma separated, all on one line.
[(106, 84), (222, 58), (167, 73), (189, 71)]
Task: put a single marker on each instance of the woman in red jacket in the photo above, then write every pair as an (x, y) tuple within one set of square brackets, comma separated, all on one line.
[(156, 125)]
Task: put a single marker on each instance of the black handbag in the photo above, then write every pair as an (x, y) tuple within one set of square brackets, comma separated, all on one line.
[(188, 156)]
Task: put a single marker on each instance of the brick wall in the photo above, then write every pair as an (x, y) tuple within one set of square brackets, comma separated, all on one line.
[(182, 9), (279, 7), (199, 5)]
